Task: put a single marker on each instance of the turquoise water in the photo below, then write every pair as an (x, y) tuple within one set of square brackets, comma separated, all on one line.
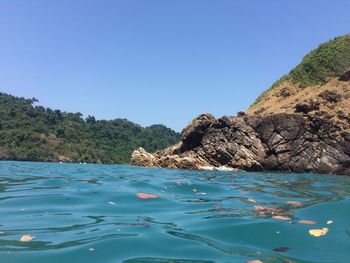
[(90, 213)]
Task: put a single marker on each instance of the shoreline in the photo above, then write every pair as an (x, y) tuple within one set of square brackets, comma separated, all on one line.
[(278, 142)]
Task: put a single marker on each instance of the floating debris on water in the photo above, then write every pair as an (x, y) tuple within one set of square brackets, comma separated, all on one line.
[(282, 218), (295, 203), (250, 200), (26, 238), (318, 232), (146, 196), (265, 211)]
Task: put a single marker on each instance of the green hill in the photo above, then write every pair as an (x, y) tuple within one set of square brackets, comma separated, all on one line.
[(321, 82), (35, 133), (329, 60)]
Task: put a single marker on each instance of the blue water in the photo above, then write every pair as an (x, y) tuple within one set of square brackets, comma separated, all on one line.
[(90, 213)]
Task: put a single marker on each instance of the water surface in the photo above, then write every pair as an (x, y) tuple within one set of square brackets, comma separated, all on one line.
[(90, 213)]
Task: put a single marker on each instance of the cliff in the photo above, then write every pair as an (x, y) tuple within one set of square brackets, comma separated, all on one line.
[(302, 123), (286, 142)]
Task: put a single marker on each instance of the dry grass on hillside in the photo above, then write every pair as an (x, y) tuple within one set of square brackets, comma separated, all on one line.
[(285, 96)]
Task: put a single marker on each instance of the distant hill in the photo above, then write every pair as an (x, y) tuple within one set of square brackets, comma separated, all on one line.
[(35, 133), (320, 83)]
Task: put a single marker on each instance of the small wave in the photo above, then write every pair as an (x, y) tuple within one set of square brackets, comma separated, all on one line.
[(220, 168)]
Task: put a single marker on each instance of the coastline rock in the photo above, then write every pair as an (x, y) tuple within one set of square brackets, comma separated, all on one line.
[(142, 158), (282, 142), (192, 135), (65, 159)]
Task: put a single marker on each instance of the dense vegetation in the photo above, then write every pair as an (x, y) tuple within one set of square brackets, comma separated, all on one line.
[(330, 59), (35, 133)]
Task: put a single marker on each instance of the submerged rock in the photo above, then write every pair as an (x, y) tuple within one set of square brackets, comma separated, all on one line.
[(285, 142)]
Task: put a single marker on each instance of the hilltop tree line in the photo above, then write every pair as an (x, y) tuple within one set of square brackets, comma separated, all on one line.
[(35, 133)]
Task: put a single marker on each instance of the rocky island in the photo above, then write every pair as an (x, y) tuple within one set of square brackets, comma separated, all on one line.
[(300, 124)]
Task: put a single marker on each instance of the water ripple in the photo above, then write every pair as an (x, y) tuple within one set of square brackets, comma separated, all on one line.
[(90, 213)]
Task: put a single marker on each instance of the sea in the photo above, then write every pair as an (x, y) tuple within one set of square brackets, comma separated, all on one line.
[(60, 212)]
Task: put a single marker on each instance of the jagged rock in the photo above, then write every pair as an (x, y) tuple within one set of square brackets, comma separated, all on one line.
[(180, 162), (192, 135), (241, 114), (62, 158), (285, 92), (306, 107), (171, 150), (293, 143), (142, 158), (330, 96), (287, 142), (232, 142)]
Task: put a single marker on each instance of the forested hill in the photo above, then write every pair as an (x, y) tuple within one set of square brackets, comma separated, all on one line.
[(320, 83), (35, 133)]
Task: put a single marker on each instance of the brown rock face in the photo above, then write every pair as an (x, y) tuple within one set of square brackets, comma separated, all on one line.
[(286, 142), (192, 135), (307, 107), (142, 158), (330, 96)]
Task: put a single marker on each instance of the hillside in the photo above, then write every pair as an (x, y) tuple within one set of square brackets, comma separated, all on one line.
[(35, 133), (320, 84), (300, 124)]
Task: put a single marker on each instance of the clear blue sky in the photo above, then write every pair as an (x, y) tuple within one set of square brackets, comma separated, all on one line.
[(157, 61)]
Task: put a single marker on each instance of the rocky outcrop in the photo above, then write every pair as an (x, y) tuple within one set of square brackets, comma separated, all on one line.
[(142, 158), (330, 96), (285, 142), (307, 107), (345, 76), (301, 123)]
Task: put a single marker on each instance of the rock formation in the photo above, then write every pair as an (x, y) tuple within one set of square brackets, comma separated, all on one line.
[(302, 123), (286, 142)]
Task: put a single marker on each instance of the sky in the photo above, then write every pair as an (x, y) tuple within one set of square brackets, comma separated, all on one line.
[(157, 61)]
